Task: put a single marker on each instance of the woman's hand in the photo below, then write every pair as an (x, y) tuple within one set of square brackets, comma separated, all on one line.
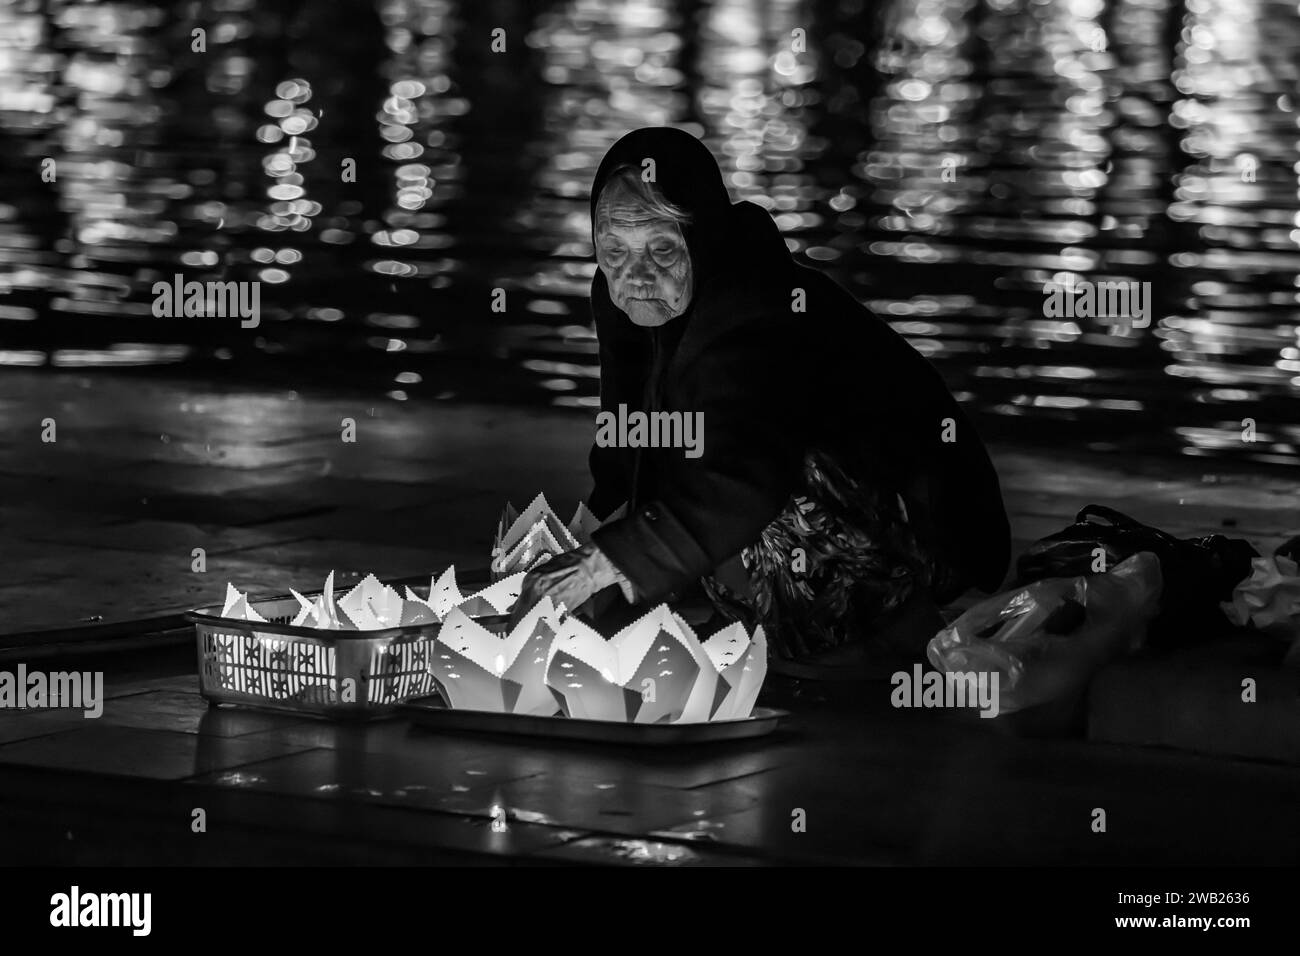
[(569, 579)]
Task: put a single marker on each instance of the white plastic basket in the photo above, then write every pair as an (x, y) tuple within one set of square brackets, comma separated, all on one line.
[(357, 674)]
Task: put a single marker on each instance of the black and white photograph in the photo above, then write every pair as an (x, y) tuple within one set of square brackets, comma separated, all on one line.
[(651, 435)]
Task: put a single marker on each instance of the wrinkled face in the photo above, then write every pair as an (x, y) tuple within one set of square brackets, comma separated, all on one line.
[(644, 259)]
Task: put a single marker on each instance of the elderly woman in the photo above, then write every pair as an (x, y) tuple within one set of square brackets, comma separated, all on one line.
[(835, 464)]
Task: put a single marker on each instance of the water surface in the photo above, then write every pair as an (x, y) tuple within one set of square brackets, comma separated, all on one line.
[(944, 159)]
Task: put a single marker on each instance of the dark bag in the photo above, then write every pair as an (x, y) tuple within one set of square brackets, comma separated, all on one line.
[(1198, 572)]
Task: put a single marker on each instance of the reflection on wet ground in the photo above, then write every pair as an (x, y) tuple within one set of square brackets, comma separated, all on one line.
[(923, 788), (945, 159)]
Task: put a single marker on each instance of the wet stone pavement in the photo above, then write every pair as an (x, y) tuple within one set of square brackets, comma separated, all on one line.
[(99, 531)]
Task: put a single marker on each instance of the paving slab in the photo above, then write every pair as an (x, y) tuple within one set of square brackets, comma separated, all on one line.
[(350, 558), (77, 819), (957, 795), (134, 752), (132, 586), (148, 535), (625, 851), (19, 725), (184, 711), (1200, 701), (868, 782)]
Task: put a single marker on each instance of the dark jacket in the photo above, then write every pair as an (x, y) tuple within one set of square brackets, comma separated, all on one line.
[(771, 383)]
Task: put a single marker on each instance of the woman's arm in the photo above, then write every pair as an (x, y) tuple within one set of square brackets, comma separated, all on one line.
[(753, 390)]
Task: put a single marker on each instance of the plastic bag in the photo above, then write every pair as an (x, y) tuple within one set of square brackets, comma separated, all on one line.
[(1268, 600), (1044, 641), (1198, 573)]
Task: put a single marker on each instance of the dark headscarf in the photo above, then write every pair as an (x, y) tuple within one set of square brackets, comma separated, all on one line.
[(687, 175), (721, 236)]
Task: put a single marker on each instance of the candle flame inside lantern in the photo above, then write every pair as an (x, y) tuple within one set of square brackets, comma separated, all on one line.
[(499, 824), (500, 665)]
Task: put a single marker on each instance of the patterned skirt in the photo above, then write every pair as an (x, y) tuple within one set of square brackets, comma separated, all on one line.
[(839, 559)]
